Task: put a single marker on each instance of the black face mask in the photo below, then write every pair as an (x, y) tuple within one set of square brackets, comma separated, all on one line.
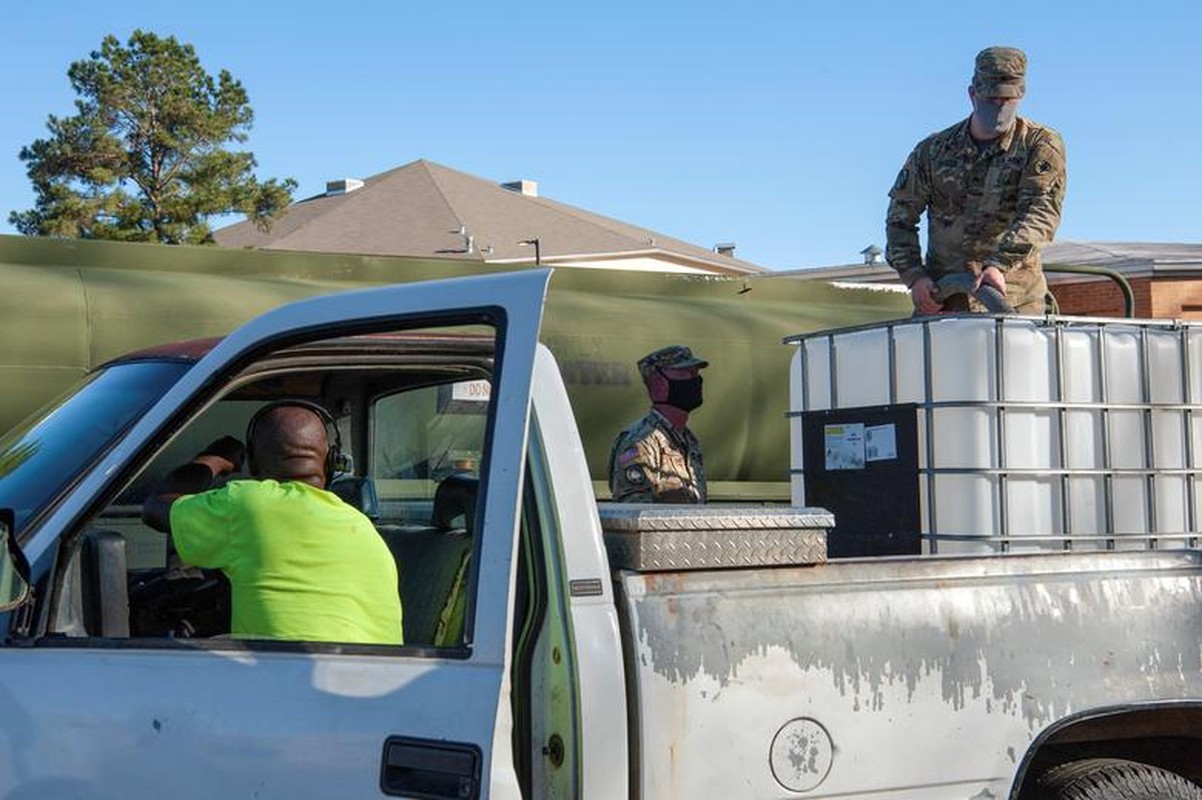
[(685, 394)]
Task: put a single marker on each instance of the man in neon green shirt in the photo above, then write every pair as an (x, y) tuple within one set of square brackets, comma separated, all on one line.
[(302, 564)]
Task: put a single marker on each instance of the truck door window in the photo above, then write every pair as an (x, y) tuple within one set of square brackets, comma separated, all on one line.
[(422, 427)]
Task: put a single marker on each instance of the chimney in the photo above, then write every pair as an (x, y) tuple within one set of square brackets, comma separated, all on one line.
[(872, 254), (725, 249), (342, 186), (527, 188)]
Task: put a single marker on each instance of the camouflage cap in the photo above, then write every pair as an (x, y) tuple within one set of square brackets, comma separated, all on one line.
[(1000, 72), (674, 356)]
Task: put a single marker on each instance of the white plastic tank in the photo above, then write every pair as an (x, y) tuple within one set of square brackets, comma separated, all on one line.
[(1033, 433)]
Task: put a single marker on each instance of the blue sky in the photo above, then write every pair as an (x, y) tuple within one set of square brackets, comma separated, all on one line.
[(775, 125)]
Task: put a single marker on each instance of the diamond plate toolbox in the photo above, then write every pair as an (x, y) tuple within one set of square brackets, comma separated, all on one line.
[(650, 537)]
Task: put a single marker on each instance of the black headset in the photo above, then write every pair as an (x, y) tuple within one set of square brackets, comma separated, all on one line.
[(336, 460)]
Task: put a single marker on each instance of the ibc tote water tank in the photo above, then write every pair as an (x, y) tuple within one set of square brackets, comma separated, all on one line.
[(1033, 433)]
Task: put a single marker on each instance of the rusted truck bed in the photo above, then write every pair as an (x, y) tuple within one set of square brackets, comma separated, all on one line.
[(871, 676)]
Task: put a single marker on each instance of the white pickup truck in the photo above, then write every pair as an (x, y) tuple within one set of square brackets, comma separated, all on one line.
[(536, 664)]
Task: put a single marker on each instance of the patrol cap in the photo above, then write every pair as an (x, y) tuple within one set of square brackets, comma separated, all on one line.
[(674, 356), (1000, 72)]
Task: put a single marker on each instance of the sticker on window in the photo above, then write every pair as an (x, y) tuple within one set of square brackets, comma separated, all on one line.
[(465, 397)]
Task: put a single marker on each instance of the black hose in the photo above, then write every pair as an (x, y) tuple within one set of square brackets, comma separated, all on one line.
[(963, 282), (993, 300)]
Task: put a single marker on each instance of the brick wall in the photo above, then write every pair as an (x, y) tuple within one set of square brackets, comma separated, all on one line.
[(1160, 298), (1100, 297), (1177, 298)]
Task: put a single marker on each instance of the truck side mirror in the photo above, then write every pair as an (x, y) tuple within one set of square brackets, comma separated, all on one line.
[(105, 584), (14, 570)]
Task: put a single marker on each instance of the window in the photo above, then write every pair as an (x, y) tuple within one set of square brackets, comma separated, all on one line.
[(421, 436), (413, 412), (41, 456)]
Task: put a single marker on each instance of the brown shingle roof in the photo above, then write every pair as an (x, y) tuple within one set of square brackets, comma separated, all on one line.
[(418, 209)]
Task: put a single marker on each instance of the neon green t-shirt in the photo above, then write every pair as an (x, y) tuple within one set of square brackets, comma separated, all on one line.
[(302, 564)]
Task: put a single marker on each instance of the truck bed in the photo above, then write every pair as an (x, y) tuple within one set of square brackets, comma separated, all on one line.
[(867, 677)]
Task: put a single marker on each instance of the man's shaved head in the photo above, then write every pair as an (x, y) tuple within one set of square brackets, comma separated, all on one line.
[(290, 444)]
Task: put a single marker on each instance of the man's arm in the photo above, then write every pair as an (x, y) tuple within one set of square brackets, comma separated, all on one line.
[(908, 199), (220, 458), (1040, 197), (629, 478)]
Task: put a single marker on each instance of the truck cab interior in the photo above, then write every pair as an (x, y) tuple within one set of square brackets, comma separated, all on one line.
[(415, 436)]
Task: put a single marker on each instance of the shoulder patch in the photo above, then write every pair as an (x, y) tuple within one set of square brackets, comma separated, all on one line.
[(627, 455)]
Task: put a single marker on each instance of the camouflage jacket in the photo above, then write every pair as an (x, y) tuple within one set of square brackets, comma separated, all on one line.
[(652, 462), (997, 205)]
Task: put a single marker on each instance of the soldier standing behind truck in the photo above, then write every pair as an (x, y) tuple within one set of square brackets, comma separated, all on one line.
[(657, 459), (992, 187)]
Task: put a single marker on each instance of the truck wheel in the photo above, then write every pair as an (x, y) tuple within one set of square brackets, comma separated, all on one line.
[(1115, 779)]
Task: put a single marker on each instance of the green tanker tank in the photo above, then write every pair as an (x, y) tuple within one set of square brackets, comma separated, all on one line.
[(68, 305)]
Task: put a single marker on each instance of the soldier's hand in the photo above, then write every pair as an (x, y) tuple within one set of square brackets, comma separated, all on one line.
[(992, 276), (922, 292)]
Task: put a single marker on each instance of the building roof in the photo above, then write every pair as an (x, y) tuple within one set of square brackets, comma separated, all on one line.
[(1129, 258), (1132, 259), (426, 209)]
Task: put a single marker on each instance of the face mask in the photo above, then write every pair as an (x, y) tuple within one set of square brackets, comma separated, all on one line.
[(685, 394), (993, 117)]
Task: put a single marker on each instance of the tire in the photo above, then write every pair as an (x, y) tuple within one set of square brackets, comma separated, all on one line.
[(1115, 779)]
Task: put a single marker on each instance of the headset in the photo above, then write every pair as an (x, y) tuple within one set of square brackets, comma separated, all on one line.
[(336, 460)]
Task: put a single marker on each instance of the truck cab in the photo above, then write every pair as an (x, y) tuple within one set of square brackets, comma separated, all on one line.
[(123, 672)]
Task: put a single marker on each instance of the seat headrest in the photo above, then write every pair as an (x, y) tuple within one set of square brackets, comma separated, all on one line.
[(359, 492), (455, 497)]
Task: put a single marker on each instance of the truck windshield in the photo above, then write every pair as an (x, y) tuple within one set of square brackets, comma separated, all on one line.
[(48, 451)]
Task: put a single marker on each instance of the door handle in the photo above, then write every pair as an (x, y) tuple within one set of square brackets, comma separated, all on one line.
[(427, 769)]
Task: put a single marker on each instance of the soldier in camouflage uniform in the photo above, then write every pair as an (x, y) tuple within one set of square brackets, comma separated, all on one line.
[(657, 459), (992, 187)]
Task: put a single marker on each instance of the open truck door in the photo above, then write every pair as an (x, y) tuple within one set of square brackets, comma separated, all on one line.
[(90, 708)]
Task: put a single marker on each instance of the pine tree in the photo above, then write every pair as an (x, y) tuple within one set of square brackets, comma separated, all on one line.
[(144, 158)]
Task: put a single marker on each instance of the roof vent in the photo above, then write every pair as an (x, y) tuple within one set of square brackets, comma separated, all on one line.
[(343, 186), (528, 188), (725, 249), (872, 254)]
